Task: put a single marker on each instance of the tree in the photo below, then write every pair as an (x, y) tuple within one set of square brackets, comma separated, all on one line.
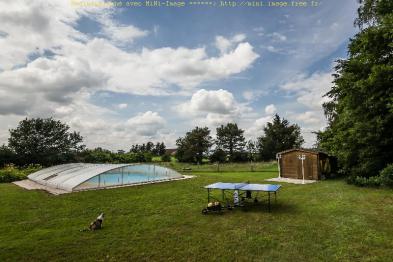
[(149, 146), (231, 140), (158, 149), (252, 150), (278, 135), (7, 156), (218, 155), (44, 141), (161, 149), (194, 146), (360, 117)]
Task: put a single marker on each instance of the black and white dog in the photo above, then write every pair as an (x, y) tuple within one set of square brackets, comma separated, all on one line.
[(97, 224)]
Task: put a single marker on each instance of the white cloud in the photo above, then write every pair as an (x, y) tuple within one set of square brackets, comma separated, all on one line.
[(272, 49), (251, 95), (248, 95), (309, 117), (156, 28), (270, 109), (122, 106), (36, 26), (217, 101), (224, 44), (277, 37), (256, 128), (260, 31), (45, 82), (118, 33), (213, 107), (146, 124), (155, 71), (310, 90)]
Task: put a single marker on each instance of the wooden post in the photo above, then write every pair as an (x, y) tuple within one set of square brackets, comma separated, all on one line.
[(278, 156), (302, 157)]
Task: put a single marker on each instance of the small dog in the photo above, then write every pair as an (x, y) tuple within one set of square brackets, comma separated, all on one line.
[(97, 224)]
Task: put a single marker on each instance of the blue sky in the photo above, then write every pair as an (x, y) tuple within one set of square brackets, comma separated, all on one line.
[(128, 75)]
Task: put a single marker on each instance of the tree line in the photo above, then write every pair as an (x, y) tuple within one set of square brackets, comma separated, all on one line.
[(49, 142), (157, 149), (230, 144)]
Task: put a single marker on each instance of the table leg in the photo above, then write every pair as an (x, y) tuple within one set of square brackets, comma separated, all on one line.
[(269, 200), (275, 197), (223, 196)]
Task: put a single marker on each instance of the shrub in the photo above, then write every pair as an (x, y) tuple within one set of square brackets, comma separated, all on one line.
[(386, 175), (166, 158), (10, 173), (148, 157), (31, 169), (374, 181)]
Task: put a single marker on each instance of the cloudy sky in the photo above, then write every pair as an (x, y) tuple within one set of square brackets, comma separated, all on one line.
[(121, 76)]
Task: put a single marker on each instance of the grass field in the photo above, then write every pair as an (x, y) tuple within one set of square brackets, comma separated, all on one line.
[(326, 221)]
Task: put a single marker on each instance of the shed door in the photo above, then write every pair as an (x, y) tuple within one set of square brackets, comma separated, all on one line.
[(308, 168)]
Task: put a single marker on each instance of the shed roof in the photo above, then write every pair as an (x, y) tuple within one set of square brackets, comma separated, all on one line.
[(311, 151)]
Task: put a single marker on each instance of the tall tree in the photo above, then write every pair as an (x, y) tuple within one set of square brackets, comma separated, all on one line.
[(278, 135), (161, 149), (44, 141), (231, 140), (194, 146), (7, 156), (252, 150), (149, 146), (360, 111)]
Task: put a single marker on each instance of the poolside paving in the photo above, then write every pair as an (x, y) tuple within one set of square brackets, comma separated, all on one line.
[(31, 185), (291, 180)]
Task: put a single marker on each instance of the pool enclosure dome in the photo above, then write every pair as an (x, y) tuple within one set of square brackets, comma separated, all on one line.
[(82, 176)]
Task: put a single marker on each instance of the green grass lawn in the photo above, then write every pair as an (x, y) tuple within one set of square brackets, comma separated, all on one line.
[(326, 221)]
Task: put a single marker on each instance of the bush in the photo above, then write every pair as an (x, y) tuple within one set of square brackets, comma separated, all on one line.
[(218, 156), (10, 173), (31, 169), (386, 175), (374, 181), (166, 158)]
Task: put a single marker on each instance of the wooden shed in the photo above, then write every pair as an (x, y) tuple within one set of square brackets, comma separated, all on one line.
[(316, 164)]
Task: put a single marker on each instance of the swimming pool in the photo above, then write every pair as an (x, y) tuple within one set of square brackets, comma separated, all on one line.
[(83, 176), (127, 175)]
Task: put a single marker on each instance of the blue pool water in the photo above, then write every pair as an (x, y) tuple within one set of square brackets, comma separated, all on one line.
[(129, 175), (116, 179)]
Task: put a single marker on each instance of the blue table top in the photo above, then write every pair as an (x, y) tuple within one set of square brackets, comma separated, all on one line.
[(229, 186), (244, 186), (261, 187)]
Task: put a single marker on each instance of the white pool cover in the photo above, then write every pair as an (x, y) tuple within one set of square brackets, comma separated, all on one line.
[(82, 176)]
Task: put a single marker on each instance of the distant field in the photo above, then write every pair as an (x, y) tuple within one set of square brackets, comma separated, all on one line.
[(326, 221)]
